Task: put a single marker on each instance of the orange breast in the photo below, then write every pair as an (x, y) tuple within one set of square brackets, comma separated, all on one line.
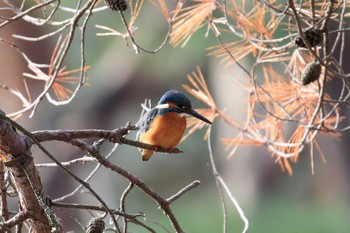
[(165, 131)]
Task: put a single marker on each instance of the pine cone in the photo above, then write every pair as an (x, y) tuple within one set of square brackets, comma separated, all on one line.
[(313, 36), (116, 5), (311, 72), (96, 225)]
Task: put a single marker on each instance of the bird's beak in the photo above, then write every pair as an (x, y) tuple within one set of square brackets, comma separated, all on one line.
[(199, 116)]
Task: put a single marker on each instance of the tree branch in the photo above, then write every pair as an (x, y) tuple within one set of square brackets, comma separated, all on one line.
[(177, 195), (115, 136), (164, 205), (15, 220), (25, 175), (4, 207)]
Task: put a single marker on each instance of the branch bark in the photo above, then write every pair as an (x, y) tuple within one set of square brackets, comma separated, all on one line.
[(26, 178), (115, 136), (28, 181)]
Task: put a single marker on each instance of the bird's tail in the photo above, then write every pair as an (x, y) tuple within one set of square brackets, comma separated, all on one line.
[(146, 154)]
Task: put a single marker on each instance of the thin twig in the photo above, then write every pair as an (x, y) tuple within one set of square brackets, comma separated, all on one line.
[(138, 182), (136, 46), (122, 204), (26, 12), (221, 184), (15, 220), (4, 206), (131, 217), (91, 174), (82, 160), (181, 192)]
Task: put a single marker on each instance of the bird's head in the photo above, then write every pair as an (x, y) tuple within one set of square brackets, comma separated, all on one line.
[(175, 101)]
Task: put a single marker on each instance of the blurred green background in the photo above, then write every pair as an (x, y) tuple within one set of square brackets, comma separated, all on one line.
[(119, 81)]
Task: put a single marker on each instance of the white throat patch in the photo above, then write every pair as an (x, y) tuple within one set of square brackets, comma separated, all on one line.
[(162, 106)]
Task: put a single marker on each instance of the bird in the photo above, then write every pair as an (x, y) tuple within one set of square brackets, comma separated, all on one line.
[(164, 125)]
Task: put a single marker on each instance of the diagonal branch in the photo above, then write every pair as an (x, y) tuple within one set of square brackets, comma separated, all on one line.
[(15, 220), (26, 177), (163, 203)]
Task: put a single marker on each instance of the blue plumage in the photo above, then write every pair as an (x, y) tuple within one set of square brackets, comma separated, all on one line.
[(178, 99), (164, 125), (171, 96)]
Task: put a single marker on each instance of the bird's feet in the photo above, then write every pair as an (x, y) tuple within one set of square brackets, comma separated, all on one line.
[(155, 149), (170, 150)]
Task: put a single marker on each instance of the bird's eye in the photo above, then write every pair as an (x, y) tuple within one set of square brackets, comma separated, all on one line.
[(183, 107)]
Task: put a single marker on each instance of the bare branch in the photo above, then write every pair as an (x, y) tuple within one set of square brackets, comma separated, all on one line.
[(122, 204), (115, 136), (181, 192), (221, 183), (23, 171), (16, 220), (164, 205), (4, 206)]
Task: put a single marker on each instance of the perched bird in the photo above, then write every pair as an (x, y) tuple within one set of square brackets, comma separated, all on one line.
[(164, 125)]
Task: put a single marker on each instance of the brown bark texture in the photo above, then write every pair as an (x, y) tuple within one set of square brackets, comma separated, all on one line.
[(20, 163)]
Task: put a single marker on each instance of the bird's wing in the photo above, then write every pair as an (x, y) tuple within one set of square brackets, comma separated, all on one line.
[(145, 121)]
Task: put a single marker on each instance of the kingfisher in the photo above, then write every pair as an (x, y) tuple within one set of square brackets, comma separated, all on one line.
[(164, 125)]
